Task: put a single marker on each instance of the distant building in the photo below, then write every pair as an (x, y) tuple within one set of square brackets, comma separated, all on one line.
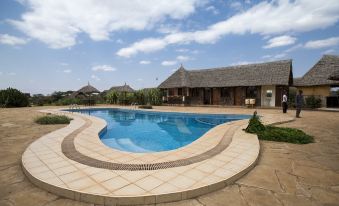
[(317, 81), (263, 82)]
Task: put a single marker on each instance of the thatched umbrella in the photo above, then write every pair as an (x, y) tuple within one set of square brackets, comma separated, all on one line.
[(88, 90), (334, 76)]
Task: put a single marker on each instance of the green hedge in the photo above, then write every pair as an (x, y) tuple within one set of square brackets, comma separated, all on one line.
[(53, 119), (283, 134), (278, 134), (11, 97), (312, 102)]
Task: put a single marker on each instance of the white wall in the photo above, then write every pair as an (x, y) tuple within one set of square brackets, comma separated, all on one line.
[(267, 101)]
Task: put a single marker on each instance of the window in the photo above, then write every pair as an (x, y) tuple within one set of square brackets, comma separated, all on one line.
[(225, 92), (179, 91), (195, 92), (170, 92), (269, 93), (251, 92)]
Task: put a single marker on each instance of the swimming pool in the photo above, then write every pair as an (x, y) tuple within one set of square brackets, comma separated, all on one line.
[(143, 131)]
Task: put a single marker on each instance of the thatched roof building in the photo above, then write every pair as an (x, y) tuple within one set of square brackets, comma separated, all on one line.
[(88, 89), (334, 76), (270, 73), (320, 73), (264, 82), (123, 88)]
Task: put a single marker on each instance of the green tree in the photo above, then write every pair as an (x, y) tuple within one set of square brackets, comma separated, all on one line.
[(11, 97)]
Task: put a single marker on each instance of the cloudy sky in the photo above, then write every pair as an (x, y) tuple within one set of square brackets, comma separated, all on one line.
[(48, 45)]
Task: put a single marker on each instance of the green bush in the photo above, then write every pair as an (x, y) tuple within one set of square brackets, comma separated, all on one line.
[(278, 134), (255, 125), (145, 107), (283, 134), (68, 101), (11, 97), (312, 102), (53, 119)]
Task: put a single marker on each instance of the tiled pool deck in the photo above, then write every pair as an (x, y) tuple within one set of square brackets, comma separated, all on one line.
[(89, 179)]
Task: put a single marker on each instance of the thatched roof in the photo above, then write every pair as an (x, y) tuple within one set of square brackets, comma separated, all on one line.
[(334, 76), (124, 88), (269, 73), (88, 89), (320, 73)]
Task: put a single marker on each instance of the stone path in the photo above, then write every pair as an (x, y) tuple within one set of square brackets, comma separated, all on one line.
[(286, 174)]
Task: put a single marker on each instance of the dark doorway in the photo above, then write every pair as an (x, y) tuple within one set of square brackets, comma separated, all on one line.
[(207, 96)]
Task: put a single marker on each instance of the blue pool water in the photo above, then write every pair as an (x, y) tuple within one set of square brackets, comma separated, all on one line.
[(141, 131)]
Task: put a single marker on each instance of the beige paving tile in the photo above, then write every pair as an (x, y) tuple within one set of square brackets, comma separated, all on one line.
[(70, 177), (131, 189), (165, 175), (182, 182), (133, 176), (164, 188), (115, 183), (103, 175), (148, 183), (64, 170), (81, 183), (96, 189), (195, 174)]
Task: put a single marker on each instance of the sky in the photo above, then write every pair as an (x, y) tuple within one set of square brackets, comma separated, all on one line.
[(48, 45)]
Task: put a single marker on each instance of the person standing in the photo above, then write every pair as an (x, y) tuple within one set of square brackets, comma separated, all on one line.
[(284, 102), (299, 102)]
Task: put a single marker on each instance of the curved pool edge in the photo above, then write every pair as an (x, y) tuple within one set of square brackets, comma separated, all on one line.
[(64, 188)]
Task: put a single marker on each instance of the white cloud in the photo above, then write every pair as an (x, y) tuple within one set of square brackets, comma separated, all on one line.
[(11, 73), (212, 9), (58, 23), (243, 63), (317, 44), (96, 78), (140, 79), (12, 40), (236, 5), (182, 50), (119, 41), (270, 17), (144, 62), (67, 71), (329, 51), (183, 58), (0, 73), (64, 64), (168, 63), (104, 68), (280, 41), (293, 48)]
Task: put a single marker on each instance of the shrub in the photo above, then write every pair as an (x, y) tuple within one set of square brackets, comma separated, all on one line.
[(68, 101), (53, 119), (11, 97), (278, 134), (255, 125), (145, 107), (282, 134), (312, 102)]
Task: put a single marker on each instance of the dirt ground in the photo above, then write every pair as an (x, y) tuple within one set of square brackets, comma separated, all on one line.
[(286, 174)]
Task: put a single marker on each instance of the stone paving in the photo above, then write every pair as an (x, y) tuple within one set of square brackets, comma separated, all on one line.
[(285, 175)]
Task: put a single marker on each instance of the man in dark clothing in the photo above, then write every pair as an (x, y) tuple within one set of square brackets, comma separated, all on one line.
[(299, 102)]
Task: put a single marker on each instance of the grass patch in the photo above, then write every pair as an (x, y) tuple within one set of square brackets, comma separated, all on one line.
[(145, 107), (283, 134), (53, 119), (278, 134)]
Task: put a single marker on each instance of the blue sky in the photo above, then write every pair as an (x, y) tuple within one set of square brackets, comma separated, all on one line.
[(48, 45)]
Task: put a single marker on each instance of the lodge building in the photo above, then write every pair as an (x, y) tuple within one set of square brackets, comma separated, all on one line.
[(229, 86)]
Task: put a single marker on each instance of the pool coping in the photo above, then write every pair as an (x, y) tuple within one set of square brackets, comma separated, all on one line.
[(245, 163)]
